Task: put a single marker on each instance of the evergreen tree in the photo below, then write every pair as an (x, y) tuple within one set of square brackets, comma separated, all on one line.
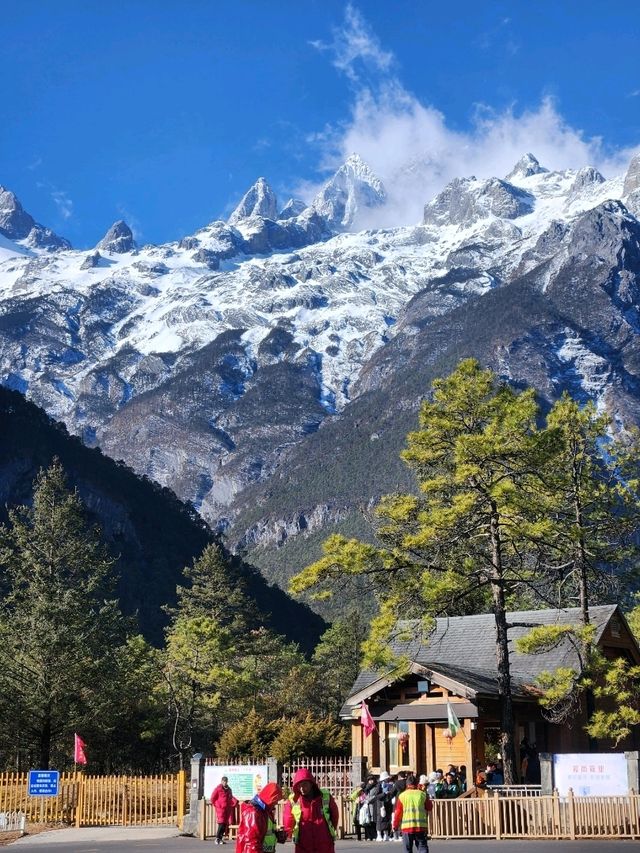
[(476, 458), (59, 624), (217, 590), (585, 544), (336, 660), (196, 680)]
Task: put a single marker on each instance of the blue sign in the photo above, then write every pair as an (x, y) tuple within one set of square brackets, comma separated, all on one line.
[(44, 783)]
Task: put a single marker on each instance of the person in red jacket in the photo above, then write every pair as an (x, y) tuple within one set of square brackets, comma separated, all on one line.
[(257, 832), (310, 815), (224, 803)]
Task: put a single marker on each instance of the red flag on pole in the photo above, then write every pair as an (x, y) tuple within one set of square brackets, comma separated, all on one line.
[(78, 750), (366, 720)]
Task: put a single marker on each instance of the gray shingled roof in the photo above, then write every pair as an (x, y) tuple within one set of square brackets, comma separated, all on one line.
[(463, 648)]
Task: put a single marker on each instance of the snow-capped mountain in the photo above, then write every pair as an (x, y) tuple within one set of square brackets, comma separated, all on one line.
[(220, 364)]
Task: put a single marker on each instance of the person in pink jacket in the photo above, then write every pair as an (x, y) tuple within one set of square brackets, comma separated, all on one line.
[(310, 815), (224, 803)]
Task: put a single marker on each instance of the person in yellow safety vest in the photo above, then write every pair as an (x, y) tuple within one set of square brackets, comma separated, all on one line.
[(310, 815), (410, 816)]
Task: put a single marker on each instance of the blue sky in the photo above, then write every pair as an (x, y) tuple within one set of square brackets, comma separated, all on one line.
[(163, 113)]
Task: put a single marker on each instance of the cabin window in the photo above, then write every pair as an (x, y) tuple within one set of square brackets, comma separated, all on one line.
[(614, 626), (398, 734)]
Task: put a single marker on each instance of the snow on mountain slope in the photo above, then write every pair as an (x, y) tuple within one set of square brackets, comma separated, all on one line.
[(223, 349)]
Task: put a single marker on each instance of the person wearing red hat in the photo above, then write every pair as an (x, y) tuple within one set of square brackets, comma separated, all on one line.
[(310, 815), (256, 831)]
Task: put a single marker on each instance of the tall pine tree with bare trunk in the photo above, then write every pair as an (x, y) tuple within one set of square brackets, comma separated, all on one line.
[(460, 540)]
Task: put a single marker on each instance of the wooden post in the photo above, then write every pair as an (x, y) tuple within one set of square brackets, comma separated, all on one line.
[(496, 807), (181, 797), (571, 807), (203, 819), (430, 752), (555, 803), (79, 799), (414, 758)]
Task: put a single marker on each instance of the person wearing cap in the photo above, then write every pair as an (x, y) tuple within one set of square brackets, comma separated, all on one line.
[(257, 832), (410, 816), (310, 815), (381, 802), (224, 803)]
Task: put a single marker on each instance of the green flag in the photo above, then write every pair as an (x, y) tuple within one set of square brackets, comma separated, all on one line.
[(454, 722)]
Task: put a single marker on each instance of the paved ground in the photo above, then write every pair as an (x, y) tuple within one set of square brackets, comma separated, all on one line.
[(119, 840)]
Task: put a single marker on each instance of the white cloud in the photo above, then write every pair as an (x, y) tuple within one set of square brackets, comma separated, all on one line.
[(60, 198), (410, 145), (63, 203), (355, 47)]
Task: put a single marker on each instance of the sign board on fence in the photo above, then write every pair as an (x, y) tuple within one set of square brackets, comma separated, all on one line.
[(44, 783), (245, 780), (591, 775)]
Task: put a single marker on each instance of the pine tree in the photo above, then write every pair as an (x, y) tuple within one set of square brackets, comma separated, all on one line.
[(59, 623), (586, 545), (476, 458), (337, 659)]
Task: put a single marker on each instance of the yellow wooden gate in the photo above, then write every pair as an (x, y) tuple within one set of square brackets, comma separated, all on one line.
[(86, 800)]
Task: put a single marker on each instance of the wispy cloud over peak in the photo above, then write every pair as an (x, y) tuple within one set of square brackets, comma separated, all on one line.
[(355, 46), (411, 146)]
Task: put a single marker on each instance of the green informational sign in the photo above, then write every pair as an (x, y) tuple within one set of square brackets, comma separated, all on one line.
[(245, 780)]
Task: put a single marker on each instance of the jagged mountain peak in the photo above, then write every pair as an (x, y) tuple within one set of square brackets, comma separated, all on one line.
[(259, 200), (632, 178), (17, 224), (466, 200), (353, 188), (118, 239), (294, 207), (526, 166)]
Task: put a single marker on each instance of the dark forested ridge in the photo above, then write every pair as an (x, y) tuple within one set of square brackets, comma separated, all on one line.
[(153, 534)]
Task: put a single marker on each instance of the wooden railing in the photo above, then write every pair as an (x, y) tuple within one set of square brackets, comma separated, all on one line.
[(527, 816), (100, 800), (510, 817)]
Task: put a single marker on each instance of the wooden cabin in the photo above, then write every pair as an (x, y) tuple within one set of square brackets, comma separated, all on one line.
[(457, 664)]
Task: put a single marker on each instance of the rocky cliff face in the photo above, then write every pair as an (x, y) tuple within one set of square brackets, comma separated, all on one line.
[(268, 368), (17, 224)]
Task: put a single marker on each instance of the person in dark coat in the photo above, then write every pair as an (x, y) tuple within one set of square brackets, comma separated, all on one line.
[(380, 798)]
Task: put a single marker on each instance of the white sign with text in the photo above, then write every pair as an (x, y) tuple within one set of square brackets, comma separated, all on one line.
[(245, 780), (591, 775)]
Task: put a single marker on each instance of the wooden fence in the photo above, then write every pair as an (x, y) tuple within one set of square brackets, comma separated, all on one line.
[(100, 800), (504, 817)]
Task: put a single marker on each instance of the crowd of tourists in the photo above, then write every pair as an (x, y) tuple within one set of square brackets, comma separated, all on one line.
[(376, 799), (396, 808)]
